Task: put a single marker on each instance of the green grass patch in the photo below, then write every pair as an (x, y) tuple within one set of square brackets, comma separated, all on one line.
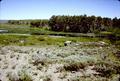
[(40, 40), (106, 33)]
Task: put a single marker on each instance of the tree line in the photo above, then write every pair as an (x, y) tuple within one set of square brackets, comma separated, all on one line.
[(80, 24), (31, 23), (39, 23)]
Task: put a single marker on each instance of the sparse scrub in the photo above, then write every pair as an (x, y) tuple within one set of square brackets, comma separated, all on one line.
[(40, 61)]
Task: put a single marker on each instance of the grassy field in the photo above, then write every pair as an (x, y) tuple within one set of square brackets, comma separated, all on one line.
[(23, 29), (42, 40)]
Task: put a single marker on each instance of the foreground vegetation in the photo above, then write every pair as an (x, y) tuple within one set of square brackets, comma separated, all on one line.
[(80, 61), (45, 58)]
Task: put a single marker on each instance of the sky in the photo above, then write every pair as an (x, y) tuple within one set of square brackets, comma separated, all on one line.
[(44, 9)]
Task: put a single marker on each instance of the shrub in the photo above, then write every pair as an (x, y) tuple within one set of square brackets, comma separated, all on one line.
[(107, 69), (41, 39), (45, 78), (74, 66), (23, 76)]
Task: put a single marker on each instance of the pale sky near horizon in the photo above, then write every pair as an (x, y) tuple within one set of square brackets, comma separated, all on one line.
[(44, 9)]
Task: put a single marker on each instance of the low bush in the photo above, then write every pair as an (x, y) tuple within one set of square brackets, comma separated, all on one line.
[(107, 69), (74, 66), (23, 76)]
